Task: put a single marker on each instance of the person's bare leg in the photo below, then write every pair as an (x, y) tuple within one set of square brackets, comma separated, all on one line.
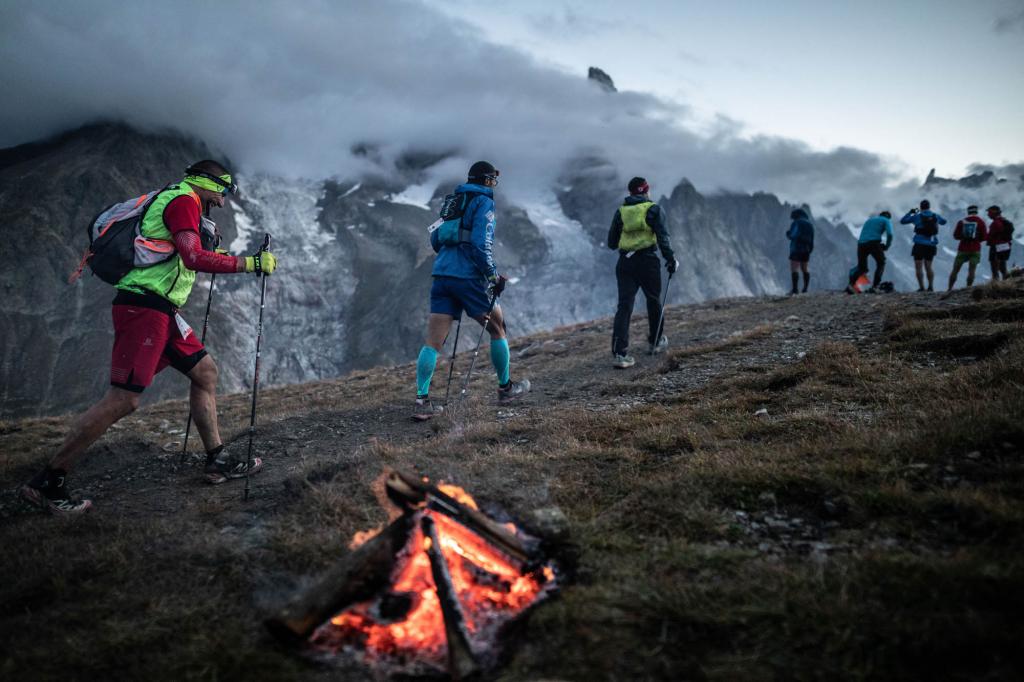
[(994, 264), (93, 423), (203, 401), (807, 275), (496, 325), (919, 271), (971, 268), (931, 274), (438, 326), (953, 274)]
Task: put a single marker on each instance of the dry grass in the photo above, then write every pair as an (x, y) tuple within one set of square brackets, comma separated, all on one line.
[(868, 524)]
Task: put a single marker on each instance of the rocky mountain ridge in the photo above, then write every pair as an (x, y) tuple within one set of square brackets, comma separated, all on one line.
[(355, 262)]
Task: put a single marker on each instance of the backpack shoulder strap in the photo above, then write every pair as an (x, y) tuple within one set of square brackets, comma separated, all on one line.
[(465, 232)]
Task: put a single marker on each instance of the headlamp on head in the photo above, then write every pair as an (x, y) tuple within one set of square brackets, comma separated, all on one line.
[(208, 181)]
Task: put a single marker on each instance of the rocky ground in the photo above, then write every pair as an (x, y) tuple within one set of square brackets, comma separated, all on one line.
[(806, 486)]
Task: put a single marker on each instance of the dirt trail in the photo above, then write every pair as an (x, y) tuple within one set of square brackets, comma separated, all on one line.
[(134, 469)]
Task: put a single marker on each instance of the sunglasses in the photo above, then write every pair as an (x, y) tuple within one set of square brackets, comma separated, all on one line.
[(226, 187)]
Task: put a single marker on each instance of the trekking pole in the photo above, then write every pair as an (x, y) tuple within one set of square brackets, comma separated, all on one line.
[(661, 317), (451, 363), (476, 352), (202, 340), (256, 373)]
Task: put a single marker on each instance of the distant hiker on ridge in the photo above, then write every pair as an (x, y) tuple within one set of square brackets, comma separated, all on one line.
[(926, 241), (637, 228), (801, 244), (466, 278), (1000, 239), (970, 232), (870, 244), (150, 335)]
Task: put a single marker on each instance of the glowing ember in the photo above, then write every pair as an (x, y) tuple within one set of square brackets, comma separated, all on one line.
[(405, 626)]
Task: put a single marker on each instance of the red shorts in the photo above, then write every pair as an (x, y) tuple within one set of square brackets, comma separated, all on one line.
[(146, 341)]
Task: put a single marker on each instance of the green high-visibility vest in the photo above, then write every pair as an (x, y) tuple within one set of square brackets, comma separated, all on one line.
[(169, 279), (636, 233)]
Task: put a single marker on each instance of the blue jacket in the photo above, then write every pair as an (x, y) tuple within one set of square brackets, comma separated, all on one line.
[(915, 220), (473, 260), (873, 230), (800, 233)]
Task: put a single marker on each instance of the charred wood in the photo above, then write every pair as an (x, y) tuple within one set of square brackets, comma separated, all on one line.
[(356, 577), (462, 662)]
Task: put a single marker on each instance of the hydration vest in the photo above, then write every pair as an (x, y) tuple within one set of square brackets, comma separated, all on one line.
[(636, 233), (169, 278), (450, 225)]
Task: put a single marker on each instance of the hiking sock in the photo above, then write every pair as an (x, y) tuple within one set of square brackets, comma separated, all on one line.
[(796, 280), (212, 454), (807, 280), (425, 369), (499, 358)]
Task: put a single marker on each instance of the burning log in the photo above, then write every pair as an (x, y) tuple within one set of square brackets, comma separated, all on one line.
[(461, 660), (358, 576), (410, 491)]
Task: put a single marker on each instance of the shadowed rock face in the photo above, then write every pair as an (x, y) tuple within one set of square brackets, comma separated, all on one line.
[(352, 288), (601, 78)]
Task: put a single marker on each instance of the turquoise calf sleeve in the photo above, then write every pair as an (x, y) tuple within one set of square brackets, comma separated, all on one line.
[(425, 369), (499, 356)]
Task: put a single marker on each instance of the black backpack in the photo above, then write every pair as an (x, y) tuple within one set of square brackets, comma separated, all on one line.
[(929, 226), (1007, 229), (116, 245), (451, 230)]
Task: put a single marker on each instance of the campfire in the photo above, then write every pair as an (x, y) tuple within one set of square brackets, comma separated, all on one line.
[(433, 592)]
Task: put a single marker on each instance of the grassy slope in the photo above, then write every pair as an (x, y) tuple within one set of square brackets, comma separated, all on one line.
[(868, 526)]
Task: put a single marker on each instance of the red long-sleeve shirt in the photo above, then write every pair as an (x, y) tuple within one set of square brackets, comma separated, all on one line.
[(970, 245), (182, 218), (997, 231)]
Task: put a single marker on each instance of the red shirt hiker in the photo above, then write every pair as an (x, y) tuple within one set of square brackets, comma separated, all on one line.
[(971, 232)]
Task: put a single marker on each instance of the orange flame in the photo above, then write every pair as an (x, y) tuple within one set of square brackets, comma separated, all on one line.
[(489, 586)]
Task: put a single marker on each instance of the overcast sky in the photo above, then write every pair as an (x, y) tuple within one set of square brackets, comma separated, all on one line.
[(833, 107)]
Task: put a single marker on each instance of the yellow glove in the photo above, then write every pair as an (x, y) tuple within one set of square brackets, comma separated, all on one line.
[(262, 263)]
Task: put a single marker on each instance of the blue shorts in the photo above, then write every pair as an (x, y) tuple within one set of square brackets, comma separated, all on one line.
[(452, 295)]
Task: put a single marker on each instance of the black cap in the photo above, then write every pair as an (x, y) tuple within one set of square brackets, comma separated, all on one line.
[(638, 185), (925, 204), (482, 169), (885, 214), (995, 209)]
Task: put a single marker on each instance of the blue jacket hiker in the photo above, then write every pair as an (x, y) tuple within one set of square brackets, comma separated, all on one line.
[(870, 244), (926, 240), (801, 244), (465, 279)]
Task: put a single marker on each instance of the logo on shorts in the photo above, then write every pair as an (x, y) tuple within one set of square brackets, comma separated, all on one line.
[(147, 342)]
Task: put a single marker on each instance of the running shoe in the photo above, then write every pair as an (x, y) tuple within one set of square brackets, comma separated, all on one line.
[(423, 410), (513, 390), (52, 496), (226, 467), (623, 361)]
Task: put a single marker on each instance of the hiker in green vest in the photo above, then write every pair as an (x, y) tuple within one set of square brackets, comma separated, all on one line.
[(638, 229), (150, 335)]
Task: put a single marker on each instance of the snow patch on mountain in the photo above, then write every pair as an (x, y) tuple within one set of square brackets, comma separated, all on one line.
[(565, 236)]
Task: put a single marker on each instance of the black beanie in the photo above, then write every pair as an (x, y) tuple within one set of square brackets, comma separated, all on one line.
[(481, 169)]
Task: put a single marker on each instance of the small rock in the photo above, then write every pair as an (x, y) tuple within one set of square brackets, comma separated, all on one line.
[(801, 355), (974, 455), (767, 498), (763, 412)]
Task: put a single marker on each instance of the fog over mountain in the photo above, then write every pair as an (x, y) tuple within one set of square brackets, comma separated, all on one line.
[(292, 90)]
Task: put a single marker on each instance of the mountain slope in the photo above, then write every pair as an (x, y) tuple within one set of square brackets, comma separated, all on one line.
[(353, 283), (811, 487)]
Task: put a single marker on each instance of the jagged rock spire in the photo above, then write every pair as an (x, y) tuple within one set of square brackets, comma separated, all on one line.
[(601, 78)]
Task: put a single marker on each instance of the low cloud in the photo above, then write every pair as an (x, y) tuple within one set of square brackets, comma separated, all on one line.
[(290, 88), (1009, 22)]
